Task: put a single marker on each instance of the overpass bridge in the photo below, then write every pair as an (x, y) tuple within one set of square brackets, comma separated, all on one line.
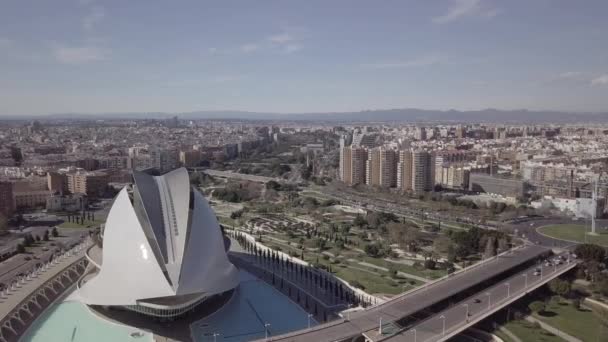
[(395, 315), (238, 176), (22, 303), (462, 315)]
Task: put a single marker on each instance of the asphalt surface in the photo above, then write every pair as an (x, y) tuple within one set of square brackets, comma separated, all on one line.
[(480, 305), (528, 230), (413, 302), (12, 268)]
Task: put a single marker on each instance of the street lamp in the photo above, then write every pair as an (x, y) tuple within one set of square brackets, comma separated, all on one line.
[(526, 284), (541, 271), (215, 335), (309, 316), (266, 330), (443, 318), (380, 327), (508, 289), (489, 299), (466, 305), (414, 330)]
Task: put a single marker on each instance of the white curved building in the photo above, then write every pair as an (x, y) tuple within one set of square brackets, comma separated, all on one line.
[(163, 250)]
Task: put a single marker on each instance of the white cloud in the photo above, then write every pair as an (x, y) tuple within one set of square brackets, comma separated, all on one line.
[(212, 50), (570, 75), (79, 55), (93, 18), (600, 80), (464, 8), (293, 48), (281, 38), (247, 48), (413, 63)]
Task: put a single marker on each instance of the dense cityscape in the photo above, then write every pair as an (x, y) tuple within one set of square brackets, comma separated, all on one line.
[(303, 171), (372, 212)]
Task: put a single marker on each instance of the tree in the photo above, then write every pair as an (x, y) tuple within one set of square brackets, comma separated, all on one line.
[(429, 264), (576, 303), (20, 248), (359, 221), (320, 243), (373, 250), (590, 252), (503, 244), (46, 235), (3, 224), (442, 244), (273, 185), (306, 172), (560, 287), (55, 233), (537, 306), (490, 247)]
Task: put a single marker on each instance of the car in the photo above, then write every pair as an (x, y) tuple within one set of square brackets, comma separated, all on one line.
[(477, 301), (536, 273)]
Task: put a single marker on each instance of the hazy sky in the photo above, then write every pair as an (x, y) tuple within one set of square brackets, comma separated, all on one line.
[(301, 55)]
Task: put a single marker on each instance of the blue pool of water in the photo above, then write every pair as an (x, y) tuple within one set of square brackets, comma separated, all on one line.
[(254, 304), (73, 322)]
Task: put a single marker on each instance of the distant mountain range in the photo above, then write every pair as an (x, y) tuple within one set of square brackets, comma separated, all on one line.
[(388, 115)]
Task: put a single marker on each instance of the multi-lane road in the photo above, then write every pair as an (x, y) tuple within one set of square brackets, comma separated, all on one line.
[(14, 267), (454, 319), (417, 300)]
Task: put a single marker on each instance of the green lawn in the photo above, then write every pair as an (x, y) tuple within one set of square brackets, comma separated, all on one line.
[(575, 232), (582, 324), (93, 224), (374, 283), (527, 332), (429, 274)]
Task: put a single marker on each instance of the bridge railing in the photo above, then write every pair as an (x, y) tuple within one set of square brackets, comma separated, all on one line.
[(448, 276), (30, 295), (453, 331)]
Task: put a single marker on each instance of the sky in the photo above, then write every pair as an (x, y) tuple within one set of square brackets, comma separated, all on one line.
[(100, 56)]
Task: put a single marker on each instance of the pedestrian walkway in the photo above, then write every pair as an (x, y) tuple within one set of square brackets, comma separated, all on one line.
[(510, 334), (13, 297), (553, 330), (399, 273)]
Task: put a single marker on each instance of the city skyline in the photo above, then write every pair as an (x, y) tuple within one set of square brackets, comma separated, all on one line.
[(98, 57)]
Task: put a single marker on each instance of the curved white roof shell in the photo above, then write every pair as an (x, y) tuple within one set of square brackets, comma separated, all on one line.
[(164, 241)]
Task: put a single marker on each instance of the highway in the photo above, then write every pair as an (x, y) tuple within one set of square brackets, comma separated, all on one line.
[(14, 267), (416, 300), (15, 296), (529, 230), (241, 176), (360, 202), (478, 306)]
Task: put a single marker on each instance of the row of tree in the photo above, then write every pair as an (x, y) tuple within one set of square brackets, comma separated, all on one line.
[(305, 274), (29, 240), (80, 218)]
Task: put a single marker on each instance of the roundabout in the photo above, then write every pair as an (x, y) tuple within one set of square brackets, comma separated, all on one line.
[(575, 233)]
